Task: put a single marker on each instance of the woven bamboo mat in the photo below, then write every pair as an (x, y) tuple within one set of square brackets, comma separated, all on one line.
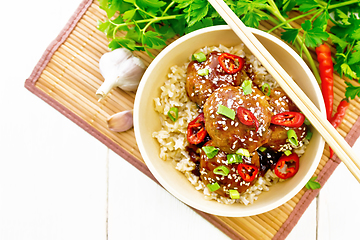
[(67, 77)]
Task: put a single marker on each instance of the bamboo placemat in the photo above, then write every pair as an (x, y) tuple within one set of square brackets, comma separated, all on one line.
[(67, 77)]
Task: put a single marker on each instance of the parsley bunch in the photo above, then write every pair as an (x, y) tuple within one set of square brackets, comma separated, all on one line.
[(148, 24)]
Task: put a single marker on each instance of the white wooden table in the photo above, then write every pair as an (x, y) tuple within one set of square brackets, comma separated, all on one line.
[(58, 182)]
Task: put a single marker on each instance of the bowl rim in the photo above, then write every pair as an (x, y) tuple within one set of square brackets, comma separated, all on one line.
[(172, 190)]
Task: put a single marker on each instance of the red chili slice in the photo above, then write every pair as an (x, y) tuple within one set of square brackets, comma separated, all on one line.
[(196, 132), (288, 119), (287, 166), (246, 117), (231, 63), (247, 172)]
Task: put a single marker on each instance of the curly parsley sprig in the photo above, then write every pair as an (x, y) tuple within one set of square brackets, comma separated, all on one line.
[(147, 25)]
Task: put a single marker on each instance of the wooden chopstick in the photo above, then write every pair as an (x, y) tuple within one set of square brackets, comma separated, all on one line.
[(317, 119)]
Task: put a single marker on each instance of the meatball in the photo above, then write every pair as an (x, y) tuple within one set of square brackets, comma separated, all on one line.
[(233, 179), (230, 135), (281, 102), (278, 138), (198, 87)]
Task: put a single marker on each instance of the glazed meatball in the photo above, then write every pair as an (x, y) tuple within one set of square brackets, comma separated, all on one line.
[(230, 135), (233, 179), (198, 87), (281, 102), (278, 138)]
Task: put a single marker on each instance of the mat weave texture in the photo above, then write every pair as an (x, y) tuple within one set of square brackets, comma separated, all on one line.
[(67, 77)]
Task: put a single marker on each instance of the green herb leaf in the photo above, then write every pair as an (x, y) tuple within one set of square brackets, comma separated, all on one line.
[(128, 15), (356, 34), (154, 40), (315, 37), (195, 10), (307, 25), (344, 18), (105, 27), (352, 91), (252, 19), (247, 11), (122, 42), (199, 11), (341, 42), (321, 21), (306, 5), (206, 22), (290, 34), (287, 5), (345, 68), (312, 184), (355, 55), (151, 3)]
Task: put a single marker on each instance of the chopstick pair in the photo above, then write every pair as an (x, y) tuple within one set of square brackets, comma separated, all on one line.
[(320, 123)]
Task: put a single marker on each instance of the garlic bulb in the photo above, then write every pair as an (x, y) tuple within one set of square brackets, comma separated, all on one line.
[(121, 121), (120, 68)]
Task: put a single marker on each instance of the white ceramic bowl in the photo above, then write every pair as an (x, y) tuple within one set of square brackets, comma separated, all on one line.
[(146, 121)]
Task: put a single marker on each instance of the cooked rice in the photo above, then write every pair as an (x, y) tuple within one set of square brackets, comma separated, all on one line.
[(172, 136)]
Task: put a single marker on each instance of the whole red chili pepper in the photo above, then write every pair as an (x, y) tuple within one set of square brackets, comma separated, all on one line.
[(288, 119), (247, 171), (287, 166), (196, 132), (338, 117), (246, 117), (231, 63), (326, 74)]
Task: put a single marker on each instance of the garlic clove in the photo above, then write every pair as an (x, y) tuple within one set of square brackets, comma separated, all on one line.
[(111, 60), (120, 68), (131, 73), (121, 121)]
